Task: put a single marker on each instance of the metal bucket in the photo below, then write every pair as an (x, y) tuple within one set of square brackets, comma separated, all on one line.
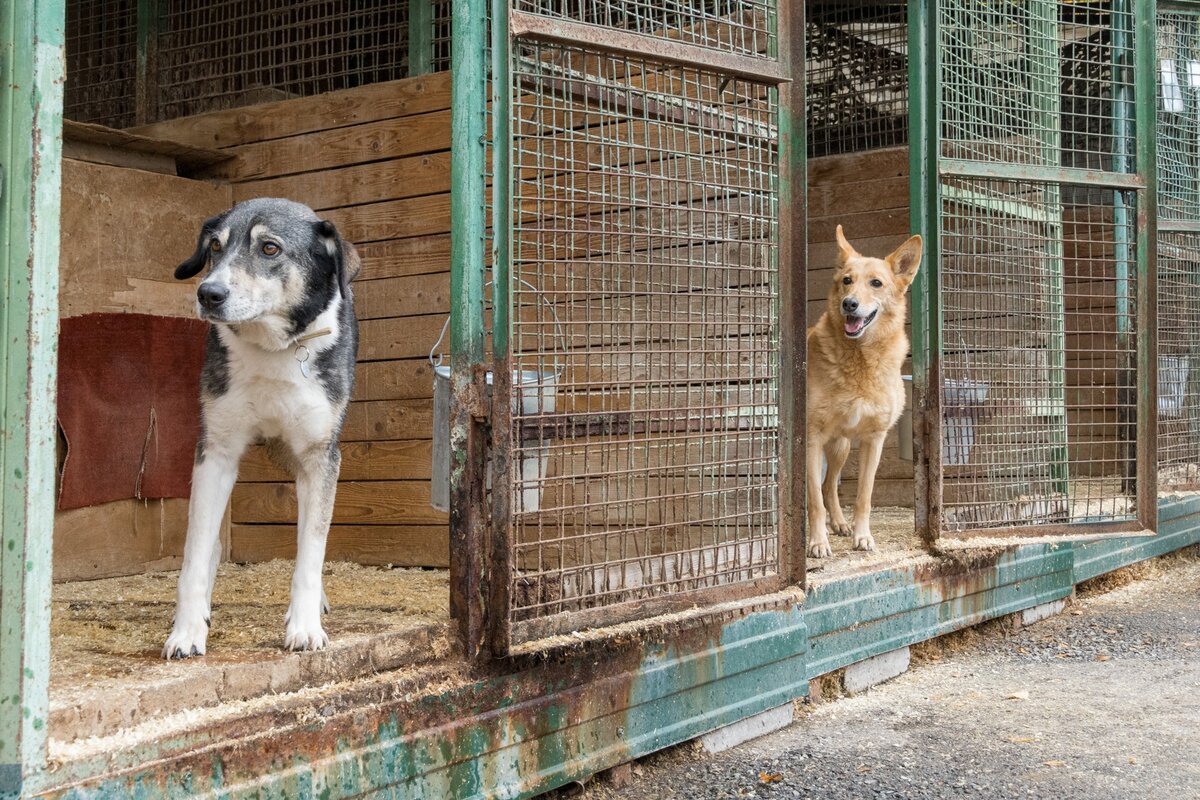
[(533, 394), (1172, 385), (906, 421), (961, 400)]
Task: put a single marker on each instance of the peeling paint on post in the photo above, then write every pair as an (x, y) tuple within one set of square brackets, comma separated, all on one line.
[(31, 79), (468, 551)]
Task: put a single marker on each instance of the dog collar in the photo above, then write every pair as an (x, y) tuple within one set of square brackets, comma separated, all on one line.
[(303, 353)]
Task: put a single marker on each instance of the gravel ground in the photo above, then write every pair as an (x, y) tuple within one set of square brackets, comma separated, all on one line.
[(1102, 701)]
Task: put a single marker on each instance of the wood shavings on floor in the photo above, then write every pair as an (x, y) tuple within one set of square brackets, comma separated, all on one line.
[(896, 539), (106, 637)]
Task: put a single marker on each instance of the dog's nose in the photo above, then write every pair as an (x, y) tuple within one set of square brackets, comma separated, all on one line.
[(212, 295), (849, 305)]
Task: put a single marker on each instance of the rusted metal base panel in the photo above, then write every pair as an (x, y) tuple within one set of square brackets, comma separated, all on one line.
[(503, 736), (870, 614), (1178, 527), (545, 721)]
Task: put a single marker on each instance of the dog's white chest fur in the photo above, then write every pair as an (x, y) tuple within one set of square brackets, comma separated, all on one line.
[(270, 389)]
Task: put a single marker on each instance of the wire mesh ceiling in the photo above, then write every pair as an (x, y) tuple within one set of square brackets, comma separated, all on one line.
[(215, 54), (1178, 249), (856, 76), (645, 330), (101, 47), (1038, 356), (230, 53)]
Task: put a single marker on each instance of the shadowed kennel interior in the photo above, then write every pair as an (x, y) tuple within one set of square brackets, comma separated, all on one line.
[(324, 115)]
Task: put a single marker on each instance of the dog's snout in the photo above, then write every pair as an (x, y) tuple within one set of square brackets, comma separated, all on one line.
[(212, 295), (849, 305)]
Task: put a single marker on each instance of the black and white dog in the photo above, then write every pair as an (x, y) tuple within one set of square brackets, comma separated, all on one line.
[(279, 369)]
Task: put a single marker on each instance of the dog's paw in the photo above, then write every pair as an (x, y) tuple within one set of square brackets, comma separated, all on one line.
[(864, 541), (186, 640), (840, 527), (300, 636), (819, 549)]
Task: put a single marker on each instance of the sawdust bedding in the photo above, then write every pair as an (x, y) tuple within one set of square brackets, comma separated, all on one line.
[(114, 628), (896, 539)]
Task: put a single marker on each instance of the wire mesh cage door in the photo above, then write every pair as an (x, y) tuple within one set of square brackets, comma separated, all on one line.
[(642, 415), (1178, 157), (1035, 356)]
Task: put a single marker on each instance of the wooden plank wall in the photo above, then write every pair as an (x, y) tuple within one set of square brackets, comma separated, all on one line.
[(108, 264), (867, 193), (1098, 440), (376, 161)]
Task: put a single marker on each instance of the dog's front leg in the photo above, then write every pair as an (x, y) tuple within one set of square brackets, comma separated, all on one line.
[(213, 476), (870, 452), (836, 453), (818, 536), (316, 486)]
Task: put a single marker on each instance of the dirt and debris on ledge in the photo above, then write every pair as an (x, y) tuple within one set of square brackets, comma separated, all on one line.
[(106, 671), (896, 540)]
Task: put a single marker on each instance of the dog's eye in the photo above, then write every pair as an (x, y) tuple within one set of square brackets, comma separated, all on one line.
[(876, 283), (215, 245), (847, 280), (270, 249)]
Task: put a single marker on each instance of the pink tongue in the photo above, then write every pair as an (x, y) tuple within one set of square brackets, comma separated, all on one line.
[(855, 325)]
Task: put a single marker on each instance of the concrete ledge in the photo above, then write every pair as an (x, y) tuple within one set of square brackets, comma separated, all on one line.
[(865, 674), (742, 731)]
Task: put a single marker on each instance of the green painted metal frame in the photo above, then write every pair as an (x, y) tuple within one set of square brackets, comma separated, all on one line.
[(778, 71), (469, 546), (420, 37), (502, 259), (1146, 231), (927, 169), (793, 293), (924, 120), (31, 81)]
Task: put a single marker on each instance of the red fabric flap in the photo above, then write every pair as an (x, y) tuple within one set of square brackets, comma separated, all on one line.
[(129, 406)]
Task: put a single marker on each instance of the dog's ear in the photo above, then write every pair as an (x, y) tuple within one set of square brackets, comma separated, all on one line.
[(905, 260), (847, 249), (199, 259), (345, 257), (352, 261)]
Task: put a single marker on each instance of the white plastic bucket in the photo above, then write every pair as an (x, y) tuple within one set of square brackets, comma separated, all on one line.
[(533, 394)]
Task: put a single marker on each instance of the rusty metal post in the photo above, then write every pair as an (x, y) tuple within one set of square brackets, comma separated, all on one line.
[(793, 271), (502, 407), (925, 206), (468, 409), (1146, 132)]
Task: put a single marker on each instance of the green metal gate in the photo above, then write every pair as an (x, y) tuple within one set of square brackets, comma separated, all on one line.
[(1178, 74), (1034, 357), (646, 343)]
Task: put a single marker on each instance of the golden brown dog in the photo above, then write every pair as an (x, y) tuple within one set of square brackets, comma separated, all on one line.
[(855, 352)]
